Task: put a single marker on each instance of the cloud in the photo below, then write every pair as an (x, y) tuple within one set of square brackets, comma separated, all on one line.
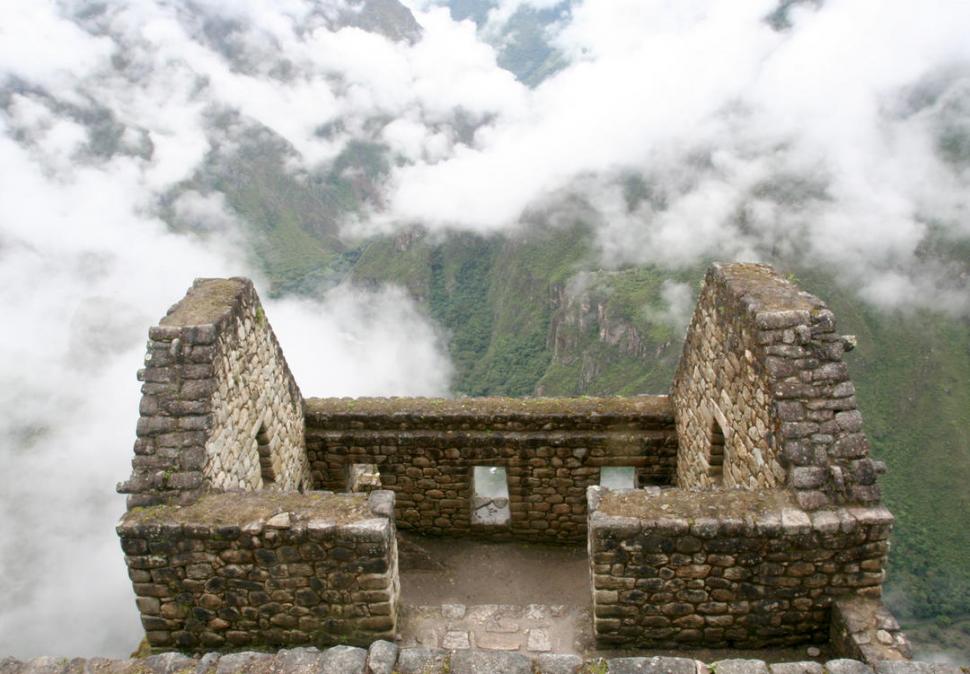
[(91, 151), (837, 145)]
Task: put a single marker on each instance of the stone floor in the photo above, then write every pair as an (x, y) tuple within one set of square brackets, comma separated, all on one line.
[(460, 593), (531, 629)]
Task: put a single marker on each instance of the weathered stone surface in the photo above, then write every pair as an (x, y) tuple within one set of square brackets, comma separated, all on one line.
[(421, 660), (10, 665), (551, 450), (169, 663), (806, 667), (655, 665), (44, 665), (762, 382), (226, 578), (761, 572), (739, 666), (844, 666), (297, 661), (907, 667), (344, 660), (558, 663), (381, 657), (480, 662), (245, 662), (221, 395)]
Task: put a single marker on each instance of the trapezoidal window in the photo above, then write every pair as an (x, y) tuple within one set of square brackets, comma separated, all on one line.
[(715, 456), (265, 456), (618, 477), (490, 496)]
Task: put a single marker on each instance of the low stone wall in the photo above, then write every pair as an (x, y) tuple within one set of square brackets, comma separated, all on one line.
[(762, 365), (731, 569), (864, 629), (384, 657), (220, 408), (551, 449), (264, 569)]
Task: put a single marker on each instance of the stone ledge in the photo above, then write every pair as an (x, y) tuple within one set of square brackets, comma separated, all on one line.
[(214, 513), (397, 410), (384, 657), (761, 513)]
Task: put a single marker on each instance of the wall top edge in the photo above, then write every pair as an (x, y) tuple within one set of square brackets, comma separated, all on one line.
[(680, 509), (659, 406), (763, 291), (207, 302), (252, 512)]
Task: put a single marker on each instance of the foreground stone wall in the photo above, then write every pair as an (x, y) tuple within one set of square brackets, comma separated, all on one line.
[(220, 408), (264, 569), (384, 657), (730, 569), (552, 450), (762, 363)]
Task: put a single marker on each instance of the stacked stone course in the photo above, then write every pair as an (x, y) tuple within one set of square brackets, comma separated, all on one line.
[(215, 377), (234, 570), (552, 451), (728, 570), (763, 360)]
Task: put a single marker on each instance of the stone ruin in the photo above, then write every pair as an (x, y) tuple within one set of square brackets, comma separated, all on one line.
[(742, 510)]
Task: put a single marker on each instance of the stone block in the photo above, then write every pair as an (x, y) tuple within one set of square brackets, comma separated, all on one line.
[(343, 660), (740, 666), (421, 660), (481, 662), (381, 657), (845, 666), (654, 665), (557, 663)]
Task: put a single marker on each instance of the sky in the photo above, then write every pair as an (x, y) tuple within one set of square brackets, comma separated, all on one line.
[(836, 134)]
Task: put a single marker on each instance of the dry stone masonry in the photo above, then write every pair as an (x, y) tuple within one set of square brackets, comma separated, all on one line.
[(753, 516), (762, 366), (219, 408), (551, 450), (264, 569), (734, 569)]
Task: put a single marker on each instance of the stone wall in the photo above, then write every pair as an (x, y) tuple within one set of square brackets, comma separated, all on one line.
[(736, 569), (264, 569), (551, 449), (864, 629), (219, 406), (384, 657), (762, 364)]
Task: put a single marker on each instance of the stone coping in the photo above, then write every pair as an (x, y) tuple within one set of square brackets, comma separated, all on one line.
[(384, 657), (254, 511), (207, 302), (659, 406), (761, 290), (756, 512)]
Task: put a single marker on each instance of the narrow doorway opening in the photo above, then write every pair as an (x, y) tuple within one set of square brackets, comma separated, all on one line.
[(715, 457), (266, 469)]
